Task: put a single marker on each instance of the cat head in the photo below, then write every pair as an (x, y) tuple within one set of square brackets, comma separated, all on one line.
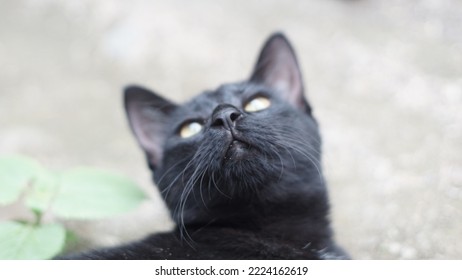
[(247, 143)]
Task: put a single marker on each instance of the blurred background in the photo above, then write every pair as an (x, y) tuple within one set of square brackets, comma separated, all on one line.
[(384, 77)]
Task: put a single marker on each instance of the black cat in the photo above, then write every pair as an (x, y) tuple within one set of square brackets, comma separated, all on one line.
[(239, 168)]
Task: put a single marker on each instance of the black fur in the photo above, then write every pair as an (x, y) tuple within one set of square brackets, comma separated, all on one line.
[(262, 197)]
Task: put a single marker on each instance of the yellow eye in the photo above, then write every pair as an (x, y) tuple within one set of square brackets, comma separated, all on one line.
[(257, 104), (190, 129)]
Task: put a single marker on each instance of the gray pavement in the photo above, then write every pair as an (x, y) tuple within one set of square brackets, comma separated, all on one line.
[(384, 77)]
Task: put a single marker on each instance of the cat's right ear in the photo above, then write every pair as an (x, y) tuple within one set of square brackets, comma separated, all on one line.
[(147, 115), (277, 67)]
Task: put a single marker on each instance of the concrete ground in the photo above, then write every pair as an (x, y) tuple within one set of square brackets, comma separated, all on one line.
[(384, 77)]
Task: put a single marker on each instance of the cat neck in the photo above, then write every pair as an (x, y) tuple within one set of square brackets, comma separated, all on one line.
[(300, 218)]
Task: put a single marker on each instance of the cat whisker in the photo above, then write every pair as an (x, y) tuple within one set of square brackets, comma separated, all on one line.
[(199, 160), (201, 187), (167, 189), (216, 187), (275, 151), (315, 162), (169, 170), (296, 144)]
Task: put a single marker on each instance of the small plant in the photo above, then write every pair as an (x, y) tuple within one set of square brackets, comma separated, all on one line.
[(79, 193)]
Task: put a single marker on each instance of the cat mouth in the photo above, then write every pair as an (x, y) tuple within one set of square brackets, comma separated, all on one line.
[(237, 150)]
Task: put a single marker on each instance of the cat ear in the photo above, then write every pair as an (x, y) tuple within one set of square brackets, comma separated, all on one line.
[(147, 115), (278, 68)]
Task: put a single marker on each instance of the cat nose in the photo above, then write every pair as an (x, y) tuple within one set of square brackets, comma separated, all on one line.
[(225, 115)]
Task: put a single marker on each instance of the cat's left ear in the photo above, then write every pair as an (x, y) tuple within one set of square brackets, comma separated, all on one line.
[(148, 115), (277, 67)]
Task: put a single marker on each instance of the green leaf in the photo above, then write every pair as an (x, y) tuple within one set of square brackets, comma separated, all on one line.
[(94, 194), (15, 173), (27, 242)]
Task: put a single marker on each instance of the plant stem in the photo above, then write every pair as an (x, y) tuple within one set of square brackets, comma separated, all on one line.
[(38, 217)]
